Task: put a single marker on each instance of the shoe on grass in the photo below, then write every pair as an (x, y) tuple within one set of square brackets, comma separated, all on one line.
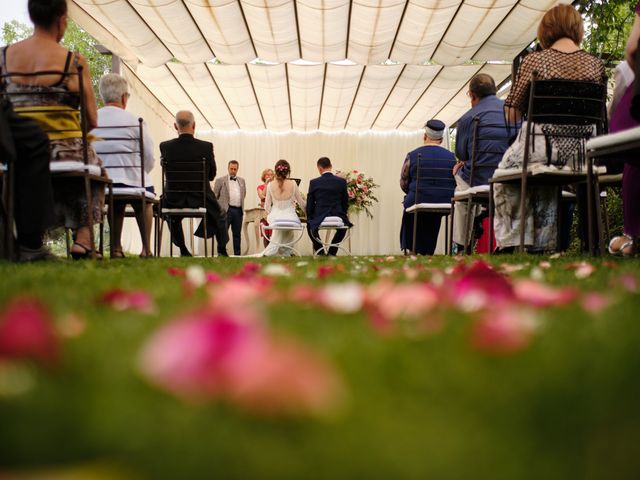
[(26, 254)]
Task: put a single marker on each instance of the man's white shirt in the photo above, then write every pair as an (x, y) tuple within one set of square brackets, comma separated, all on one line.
[(117, 117)]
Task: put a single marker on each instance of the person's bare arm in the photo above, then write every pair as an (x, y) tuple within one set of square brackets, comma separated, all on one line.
[(632, 43), (512, 115)]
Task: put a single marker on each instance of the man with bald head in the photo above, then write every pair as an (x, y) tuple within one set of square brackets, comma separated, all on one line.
[(189, 150)]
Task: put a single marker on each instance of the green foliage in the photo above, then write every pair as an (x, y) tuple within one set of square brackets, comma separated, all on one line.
[(14, 31), (608, 24), (419, 407)]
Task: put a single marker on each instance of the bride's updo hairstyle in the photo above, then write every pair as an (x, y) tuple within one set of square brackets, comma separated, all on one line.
[(282, 169)]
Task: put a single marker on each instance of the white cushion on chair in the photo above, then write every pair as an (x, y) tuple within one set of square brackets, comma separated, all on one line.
[(614, 139), (539, 168), (3, 167), (284, 224), (73, 166), (428, 206), (472, 190), (184, 210), (332, 222), (133, 191)]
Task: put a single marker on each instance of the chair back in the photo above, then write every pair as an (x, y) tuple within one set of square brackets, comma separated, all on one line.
[(566, 102), (121, 140), (435, 180), (184, 180), (569, 112), (68, 108), (489, 142)]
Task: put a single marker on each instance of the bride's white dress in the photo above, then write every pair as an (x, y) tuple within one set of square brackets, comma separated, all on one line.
[(281, 206)]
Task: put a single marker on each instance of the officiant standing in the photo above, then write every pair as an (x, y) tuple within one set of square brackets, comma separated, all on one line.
[(230, 191)]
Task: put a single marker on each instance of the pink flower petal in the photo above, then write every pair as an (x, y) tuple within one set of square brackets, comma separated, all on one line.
[(388, 303), (478, 286), (595, 302), (540, 295), (629, 282), (123, 300), (582, 269), (504, 330), (176, 272), (213, 277), (206, 356), (26, 332)]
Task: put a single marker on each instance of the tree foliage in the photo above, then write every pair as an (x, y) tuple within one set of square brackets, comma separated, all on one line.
[(608, 23)]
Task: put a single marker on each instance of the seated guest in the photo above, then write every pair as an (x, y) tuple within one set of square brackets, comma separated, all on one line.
[(621, 119), (282, 197), (559, 33), (492, 143), (327, 197), (186, 148), (42, 52), (119, 153), (433, 183), (266, 177), (25, 147)]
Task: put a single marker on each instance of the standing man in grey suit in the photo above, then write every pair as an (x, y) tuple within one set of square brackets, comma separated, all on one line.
[(230, 191)]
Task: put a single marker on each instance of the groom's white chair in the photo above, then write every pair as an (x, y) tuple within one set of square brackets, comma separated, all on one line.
[(328, 224), (286, 245)]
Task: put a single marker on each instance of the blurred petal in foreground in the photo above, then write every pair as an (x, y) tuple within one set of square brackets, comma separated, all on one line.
[(26, 332)]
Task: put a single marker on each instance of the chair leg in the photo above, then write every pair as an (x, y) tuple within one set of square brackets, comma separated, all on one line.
[(446, 234), (452, 220), (204, 220), (523, 196), (605, 216), (590, 208), (491, 219), (193, 243), (92, 239), (468, 225)]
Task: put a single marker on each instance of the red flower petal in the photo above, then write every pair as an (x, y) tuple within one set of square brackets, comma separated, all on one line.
[(26, 332)]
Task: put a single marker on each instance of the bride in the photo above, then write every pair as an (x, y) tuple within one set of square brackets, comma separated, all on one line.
[(280, 204)]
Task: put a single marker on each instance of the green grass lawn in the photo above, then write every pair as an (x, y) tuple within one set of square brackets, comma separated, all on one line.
[(418, 404)]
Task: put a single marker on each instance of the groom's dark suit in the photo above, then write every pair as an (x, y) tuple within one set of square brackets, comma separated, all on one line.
[(327, 197), (186, 148)]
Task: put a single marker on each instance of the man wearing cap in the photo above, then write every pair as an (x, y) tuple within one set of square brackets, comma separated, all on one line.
[(493, 140), (426, 178)]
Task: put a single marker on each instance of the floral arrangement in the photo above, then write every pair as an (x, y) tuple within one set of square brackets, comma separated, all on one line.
[(360, 189)]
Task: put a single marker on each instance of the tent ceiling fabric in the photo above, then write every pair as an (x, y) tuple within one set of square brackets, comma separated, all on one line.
[(409, 60)]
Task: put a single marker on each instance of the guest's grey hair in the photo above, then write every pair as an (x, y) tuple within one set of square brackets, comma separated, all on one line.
[(184, 118), (113, 87)]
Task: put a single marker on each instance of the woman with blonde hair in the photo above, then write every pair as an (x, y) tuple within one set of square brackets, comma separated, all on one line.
[(266, 176)]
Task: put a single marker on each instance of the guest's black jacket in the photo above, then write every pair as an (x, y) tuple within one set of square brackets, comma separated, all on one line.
[(327, 197), (186, 148)]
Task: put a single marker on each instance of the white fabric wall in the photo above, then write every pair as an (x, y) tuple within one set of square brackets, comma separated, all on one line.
[(379, 155)]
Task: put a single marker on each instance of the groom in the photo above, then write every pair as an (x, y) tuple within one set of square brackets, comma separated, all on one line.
[(327, 197)]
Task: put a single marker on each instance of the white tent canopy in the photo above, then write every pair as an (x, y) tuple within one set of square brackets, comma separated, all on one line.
[(328, 65)]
